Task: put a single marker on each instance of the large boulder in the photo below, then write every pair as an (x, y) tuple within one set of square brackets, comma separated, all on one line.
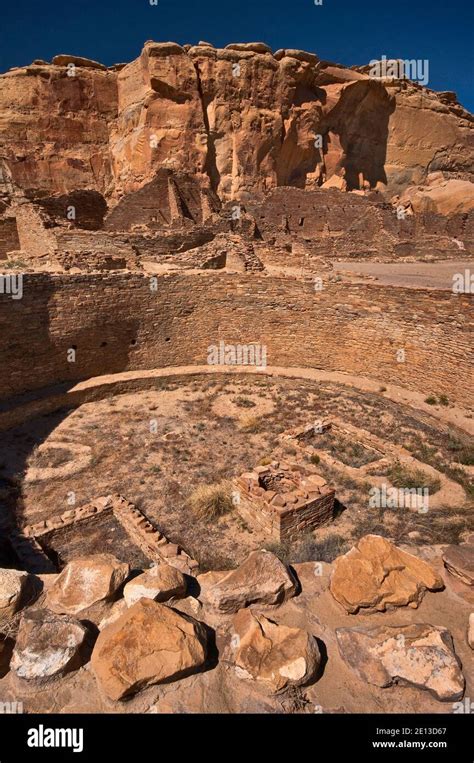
[(47, 646), (275, 655), (459, 561), (447, 197), (161, 583), (420, 655), (376, 575), (13, 589), (149, 644), (86, 581), (261, 579)]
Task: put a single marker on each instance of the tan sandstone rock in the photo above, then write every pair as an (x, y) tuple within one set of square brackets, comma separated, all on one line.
[(116, 610), (459, 561), (194, 110), (272, 654), (376, 575), (470, 631), (86, 581), (160, 583), (420, 654), (449, 197), (47, 646), (13, 587), (149, 644), (262, 579)]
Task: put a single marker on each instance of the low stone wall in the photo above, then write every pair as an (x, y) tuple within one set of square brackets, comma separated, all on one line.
[(140, 530), (128, 321)]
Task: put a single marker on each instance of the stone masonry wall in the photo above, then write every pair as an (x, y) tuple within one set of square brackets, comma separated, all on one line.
[(115, 322), (9, 241)]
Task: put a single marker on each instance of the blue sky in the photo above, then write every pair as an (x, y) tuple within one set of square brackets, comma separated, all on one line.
[(344, 31)]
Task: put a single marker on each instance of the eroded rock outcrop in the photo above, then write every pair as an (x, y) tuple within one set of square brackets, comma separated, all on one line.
[(421, 655), (375, 575), (241, 120)]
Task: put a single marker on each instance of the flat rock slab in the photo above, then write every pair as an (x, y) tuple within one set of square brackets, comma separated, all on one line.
[(275, 655), (86, 581), (149, 644), (47, 646), (375, 575), (459, 561), (261, 579), (421, 655), (159, 583)]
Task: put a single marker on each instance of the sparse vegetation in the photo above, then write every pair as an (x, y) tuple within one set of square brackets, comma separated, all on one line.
[(244, 402), (431, 400), (211, 501), (405, 477)]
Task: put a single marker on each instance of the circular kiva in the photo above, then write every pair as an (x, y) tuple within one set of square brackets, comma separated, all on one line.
[(101, 387), (80, 458)]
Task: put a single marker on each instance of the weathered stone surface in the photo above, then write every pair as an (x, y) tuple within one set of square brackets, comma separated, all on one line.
[(376, 575), (191, 110), (13, 587), (86, 581), (149, 644), (470, 631), (252, 47), (448, 197), (63, 59), (421, 655), (160, 583), (273, 654), (116, 610), (459, 561), (47, 646), (262, 579)]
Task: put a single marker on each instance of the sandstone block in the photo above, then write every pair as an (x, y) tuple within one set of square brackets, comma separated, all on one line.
[(421, 655), (47, 646), (459, 561), (86, 581), (262, 578), (376, 575), (149, 644), (272, 654), (159, 583)]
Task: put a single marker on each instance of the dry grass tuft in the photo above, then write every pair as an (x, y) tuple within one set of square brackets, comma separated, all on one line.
[(211, 501)]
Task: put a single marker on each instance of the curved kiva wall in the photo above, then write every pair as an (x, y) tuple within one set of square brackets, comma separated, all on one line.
[(116, 322)]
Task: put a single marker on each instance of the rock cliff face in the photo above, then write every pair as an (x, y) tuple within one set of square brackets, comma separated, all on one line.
[(241, 120)]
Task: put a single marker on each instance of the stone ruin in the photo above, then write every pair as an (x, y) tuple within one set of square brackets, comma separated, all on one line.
[(47, 546), (284, 500)]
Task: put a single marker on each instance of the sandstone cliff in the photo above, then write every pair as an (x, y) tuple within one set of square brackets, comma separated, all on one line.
[(241, 120)]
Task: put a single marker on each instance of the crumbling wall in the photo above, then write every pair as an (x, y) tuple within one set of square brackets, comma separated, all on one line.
[(35, 238), (9, 240)]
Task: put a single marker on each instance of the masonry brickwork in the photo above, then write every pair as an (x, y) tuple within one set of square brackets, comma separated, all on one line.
[(119, 322)]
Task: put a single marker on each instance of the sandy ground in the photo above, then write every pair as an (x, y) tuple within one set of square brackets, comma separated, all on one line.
[(432, 275)]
